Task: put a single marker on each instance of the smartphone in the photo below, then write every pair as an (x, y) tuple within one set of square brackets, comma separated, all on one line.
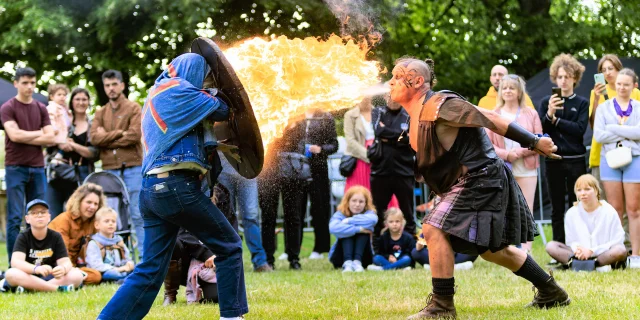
[(599, 78), (558, 91)]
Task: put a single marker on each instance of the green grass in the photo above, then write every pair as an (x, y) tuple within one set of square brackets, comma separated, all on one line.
[(319, 292)]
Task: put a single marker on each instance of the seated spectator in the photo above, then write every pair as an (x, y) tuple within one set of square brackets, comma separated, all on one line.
[(592, 228), (188, 269), (353, 224), (107, 252), (420, 254), (395, 245), (76, 225), (523, 162), (617, 124), (76, 150), (39, 261)]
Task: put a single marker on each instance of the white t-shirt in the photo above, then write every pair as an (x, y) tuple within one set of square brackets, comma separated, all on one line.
[(369, 134)]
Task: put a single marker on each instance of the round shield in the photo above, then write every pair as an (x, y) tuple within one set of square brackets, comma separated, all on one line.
[(241, 130)]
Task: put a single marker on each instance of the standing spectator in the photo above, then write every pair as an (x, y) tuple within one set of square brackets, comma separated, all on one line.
[(270, 185), (359, 134), (58, 111), (523, 162), (392, 172), (489, 101), (565, 120), (609, 65), (77, 225), (617, 124), (320, 140), (27, 129), (592, 228), (116, 131), (76, 150), (244, 192)]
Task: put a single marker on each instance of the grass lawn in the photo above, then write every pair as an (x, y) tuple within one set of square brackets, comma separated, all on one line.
[(319, 292)]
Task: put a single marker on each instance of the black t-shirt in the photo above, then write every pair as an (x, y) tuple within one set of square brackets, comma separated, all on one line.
[(75, 157), (40, 252)]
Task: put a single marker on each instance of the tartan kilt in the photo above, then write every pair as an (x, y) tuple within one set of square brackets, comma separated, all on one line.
[(484, 210)]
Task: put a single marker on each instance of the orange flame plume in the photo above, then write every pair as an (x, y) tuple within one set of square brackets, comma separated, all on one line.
[(283, 77)]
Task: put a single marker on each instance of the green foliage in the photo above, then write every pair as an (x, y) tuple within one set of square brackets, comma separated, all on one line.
[(76, 40)]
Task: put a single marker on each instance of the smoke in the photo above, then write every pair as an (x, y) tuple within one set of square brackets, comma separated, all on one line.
[(357, 18)]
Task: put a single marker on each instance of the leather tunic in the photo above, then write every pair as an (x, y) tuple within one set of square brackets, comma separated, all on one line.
[(441, 168)]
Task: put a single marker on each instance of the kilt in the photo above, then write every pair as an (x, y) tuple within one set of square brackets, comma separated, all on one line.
[(484, 210)]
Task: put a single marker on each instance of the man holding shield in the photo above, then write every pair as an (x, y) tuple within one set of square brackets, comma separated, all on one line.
[(482, 210), (174, 136)]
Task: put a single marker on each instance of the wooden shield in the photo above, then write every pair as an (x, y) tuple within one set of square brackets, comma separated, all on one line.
[(241, 130)]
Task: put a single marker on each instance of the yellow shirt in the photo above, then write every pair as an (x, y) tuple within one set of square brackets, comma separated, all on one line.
[(594, 156), (489, 101)]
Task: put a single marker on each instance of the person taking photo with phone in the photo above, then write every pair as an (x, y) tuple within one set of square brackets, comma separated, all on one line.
[(564, 118), (609, 66)]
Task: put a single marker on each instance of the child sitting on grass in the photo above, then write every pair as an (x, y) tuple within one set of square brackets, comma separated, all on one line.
[(394, 245), (106, 252), (40, 261), (353, 224)]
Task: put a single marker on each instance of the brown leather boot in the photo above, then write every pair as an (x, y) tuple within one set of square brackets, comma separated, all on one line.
[(171, 283), (550, 295), (438, 307)]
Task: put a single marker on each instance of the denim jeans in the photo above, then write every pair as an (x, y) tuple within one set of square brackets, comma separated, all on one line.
[(23, 185), (113, 275), (353, 247), (246, 192), (402, 262), (133, 181), (59, 194), (168, 204)]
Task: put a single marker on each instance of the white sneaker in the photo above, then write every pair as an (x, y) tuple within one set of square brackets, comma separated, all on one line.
[(463, 266), (347, 266), (357, 266), (633, 262), (373, 267), (552, 261), (606, 268), (234, 318), (2, 289), (407, 268), (316, 256), (283, 256), (427, 267)]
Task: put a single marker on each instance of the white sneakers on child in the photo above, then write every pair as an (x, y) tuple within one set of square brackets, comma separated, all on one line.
[(458, 266), (234, 318), (347, 266), (373, 267), (606, 268), (357, 266), (633, 262), (283, 256), (316, 256)]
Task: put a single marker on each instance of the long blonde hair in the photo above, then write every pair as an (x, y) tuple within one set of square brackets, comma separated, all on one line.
[(344, 204), (520, 86), (73, 204)]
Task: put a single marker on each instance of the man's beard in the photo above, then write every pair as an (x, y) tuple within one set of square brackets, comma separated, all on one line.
[(116, 98)]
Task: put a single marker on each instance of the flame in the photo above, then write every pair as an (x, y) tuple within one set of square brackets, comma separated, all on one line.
[(284, 77)]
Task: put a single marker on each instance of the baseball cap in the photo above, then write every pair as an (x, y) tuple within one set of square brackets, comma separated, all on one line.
[(36, 202)]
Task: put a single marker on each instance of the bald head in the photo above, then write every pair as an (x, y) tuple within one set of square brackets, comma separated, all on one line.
[(497, 72)]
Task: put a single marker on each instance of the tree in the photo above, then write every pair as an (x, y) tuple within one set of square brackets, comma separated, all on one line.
[(77, 40)]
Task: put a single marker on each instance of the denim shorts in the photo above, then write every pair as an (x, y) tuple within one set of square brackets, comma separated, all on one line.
[(627, 174)]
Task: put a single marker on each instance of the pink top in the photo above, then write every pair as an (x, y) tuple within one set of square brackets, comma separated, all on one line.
[(529, 120)]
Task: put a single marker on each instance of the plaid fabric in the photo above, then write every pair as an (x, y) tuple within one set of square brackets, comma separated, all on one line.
[(484, 210)]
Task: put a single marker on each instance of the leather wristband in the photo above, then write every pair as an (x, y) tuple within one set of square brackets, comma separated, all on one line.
[(520, 135)]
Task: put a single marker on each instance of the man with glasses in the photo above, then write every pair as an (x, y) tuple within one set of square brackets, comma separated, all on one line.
[(489, 101), (40, 261), (565, 120)]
